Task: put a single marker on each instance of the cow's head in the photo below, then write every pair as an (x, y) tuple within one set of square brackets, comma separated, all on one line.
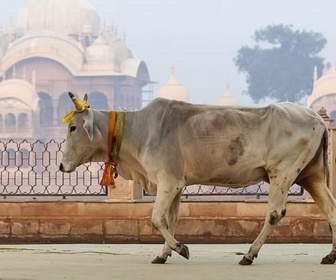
[(83, 138)]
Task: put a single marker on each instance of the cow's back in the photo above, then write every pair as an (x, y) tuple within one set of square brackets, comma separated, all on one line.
[(224, 145)]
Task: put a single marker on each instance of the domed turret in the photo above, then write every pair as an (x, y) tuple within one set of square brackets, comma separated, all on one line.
[(324, 92), (100, 52), (122, 52), (173, 89), (25, 93), (68, 16), (227, 99)]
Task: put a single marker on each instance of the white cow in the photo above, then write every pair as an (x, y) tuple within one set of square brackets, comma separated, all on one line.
[(171, 144)]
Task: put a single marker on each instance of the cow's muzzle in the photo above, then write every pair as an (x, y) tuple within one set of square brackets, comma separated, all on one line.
[(61, 167), (67, 168)]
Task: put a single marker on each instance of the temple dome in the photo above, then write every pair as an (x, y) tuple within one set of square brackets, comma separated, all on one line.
[(100, 52), (324, 92), (68, 16), (122, 52), (324, 86), (227, 99), (173, 89)]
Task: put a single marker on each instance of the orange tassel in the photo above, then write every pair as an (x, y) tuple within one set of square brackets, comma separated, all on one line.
[(107, 179)]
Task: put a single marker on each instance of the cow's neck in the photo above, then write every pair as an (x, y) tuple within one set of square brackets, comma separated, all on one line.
[(101, 123), (103, 127), (134, 136)]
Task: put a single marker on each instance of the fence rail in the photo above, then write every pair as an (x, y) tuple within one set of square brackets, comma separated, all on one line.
[(32, 169), (254, 191)]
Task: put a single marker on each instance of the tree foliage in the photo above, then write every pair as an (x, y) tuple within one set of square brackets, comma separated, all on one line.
[(280, 65)]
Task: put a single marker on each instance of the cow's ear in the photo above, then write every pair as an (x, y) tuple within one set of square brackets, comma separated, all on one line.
[(88, 124)]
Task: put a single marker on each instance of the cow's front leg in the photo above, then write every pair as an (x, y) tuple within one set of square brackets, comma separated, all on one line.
[(172, 218), (164, 219)]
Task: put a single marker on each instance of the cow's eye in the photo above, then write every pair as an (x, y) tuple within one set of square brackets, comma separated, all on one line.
[(72, 128)]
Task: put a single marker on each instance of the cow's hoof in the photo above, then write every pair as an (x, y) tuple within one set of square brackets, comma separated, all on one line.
[(328, 260), (159, 260), (245, 261), (183, 251)]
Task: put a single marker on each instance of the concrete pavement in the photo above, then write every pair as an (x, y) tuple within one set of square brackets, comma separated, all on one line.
[(133, 261)]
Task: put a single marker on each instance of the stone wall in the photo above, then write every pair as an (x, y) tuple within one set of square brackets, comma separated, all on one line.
[(126, 222)]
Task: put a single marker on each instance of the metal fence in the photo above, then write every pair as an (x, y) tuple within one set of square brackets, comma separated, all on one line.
[(31, 168), (256, 191)]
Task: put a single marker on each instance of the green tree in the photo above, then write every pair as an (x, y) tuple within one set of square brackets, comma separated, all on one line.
[(281, 63)]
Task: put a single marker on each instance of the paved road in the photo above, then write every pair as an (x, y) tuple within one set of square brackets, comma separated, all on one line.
[(100, 262)]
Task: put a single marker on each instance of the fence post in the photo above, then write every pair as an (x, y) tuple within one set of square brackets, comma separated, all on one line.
[(331, 148)]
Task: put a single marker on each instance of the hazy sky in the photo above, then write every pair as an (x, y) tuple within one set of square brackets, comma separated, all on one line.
[(202, 37)]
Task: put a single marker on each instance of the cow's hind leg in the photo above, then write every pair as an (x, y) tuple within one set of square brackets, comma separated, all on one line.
[(166, 194), (327, 203), (172, 218), (276, 210)]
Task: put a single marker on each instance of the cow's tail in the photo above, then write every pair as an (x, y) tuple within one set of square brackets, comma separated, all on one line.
[(325, 143), (325, 161)]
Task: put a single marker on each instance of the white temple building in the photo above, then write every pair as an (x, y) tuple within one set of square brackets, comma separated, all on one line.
[(56, 46)]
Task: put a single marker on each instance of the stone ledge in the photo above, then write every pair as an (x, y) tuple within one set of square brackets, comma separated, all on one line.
[(200, 222)]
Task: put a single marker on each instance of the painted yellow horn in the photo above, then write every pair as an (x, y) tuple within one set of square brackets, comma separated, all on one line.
[(80, 107), (78, 104)]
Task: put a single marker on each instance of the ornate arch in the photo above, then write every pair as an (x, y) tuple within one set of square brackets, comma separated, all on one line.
[(46, 109), (64, 106), (10, 122), (98, 100), (23, 120)]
